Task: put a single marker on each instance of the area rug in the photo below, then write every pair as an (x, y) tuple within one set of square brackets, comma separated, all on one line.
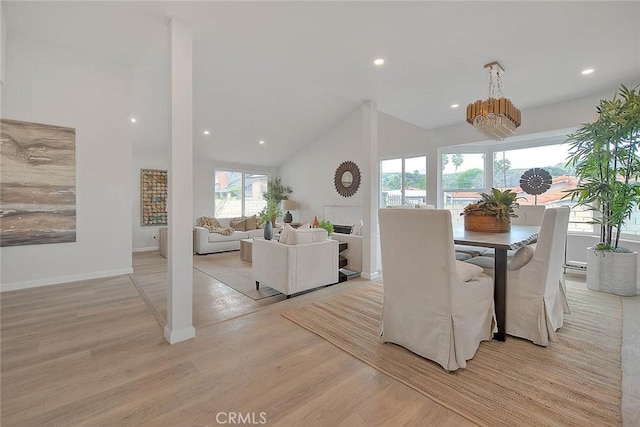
[(574, 382), (228, 268)]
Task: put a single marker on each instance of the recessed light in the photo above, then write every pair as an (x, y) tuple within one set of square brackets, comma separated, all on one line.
[(207, 132), (261, 142), (587, 71), (455, 105), (133, 119), (379, 61)]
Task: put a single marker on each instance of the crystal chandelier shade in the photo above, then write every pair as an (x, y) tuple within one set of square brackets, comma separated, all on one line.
[(496, 117)]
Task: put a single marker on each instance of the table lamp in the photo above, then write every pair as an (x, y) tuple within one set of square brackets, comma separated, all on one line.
[(288, 205)]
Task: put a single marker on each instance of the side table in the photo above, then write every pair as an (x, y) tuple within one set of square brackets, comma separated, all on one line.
[(246, 250)]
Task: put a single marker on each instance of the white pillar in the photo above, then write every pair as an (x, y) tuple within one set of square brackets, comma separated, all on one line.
[(371, 181), (180, 201)]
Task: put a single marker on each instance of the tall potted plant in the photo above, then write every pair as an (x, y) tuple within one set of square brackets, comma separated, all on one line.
[(276, 192), (605, 156)]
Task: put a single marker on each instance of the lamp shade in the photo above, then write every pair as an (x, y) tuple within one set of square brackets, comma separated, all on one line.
[(289, 205)]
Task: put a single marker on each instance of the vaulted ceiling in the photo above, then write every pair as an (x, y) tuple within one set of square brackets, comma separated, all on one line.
[(284, 72)]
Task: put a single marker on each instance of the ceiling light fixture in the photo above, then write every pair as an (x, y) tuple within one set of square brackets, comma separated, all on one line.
[(455, 105), (133, 119), (587, 71), (261, 142), (495, 117), (207, 132), (379, 61)]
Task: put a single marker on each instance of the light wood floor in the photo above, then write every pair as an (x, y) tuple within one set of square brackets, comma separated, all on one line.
[(92, 353)]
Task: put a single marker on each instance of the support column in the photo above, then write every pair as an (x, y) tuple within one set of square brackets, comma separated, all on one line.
[(371, 187), (180, 198)]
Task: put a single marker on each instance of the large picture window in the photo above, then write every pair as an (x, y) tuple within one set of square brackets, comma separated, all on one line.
[(463, 178), (238, 194), (404, 181)]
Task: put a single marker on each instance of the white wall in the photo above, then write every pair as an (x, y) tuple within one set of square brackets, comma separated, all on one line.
[(150, 107), (397, 138), (311, 170), (49, 84)]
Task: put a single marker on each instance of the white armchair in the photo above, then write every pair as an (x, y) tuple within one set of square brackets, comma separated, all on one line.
[(293, 268), (433, 305)]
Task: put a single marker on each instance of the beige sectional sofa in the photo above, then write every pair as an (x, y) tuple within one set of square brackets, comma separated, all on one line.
[(208, 242)]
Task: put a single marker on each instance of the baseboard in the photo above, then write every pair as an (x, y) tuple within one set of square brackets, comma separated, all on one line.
[(63, 279), (371, 276), (174, 337), (147, 249)]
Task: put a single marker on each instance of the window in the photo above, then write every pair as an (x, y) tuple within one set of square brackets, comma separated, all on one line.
[(509, 165), (238, 194), (403, 181), (462, 181), (463, 177)]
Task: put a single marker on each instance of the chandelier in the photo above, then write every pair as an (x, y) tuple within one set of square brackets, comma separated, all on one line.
[(495, 117)]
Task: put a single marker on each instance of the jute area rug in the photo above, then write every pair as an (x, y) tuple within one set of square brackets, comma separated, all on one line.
[(575, 381), (228, 268)]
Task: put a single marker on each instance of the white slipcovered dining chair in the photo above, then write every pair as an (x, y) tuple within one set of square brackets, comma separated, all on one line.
[(535, 302), (527, 215), (433, 305)]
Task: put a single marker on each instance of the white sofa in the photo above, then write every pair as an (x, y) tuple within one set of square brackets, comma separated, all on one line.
[(208, 243), (293, 268)]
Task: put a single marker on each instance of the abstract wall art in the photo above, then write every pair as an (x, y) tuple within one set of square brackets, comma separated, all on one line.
[(154, 197), (37, 183)]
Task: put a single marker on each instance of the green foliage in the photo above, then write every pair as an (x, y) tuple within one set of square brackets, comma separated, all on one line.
[(270, 212), (457, 160), (327, 226), (605, 157), (497, 203), (471, 178), (276, 191)]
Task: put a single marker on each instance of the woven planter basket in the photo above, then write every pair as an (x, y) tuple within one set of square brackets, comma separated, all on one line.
[(486, 224), (611, 272)]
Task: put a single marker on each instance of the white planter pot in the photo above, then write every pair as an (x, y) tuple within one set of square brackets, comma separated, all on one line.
[(612, 272)]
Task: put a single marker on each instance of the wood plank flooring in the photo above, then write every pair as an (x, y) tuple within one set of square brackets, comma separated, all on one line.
[(92, 353)]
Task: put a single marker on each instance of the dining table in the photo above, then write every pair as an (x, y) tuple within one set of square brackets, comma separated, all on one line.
[(517, 237)]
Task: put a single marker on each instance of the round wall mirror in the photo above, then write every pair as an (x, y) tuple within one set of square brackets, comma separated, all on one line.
[(347, 179)]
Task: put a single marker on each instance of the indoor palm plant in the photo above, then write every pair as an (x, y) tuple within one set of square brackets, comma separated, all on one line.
[(492, 213), (605, 156)]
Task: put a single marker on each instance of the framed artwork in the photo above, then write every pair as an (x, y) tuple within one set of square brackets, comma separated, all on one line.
[(154, 187), (37, 183)]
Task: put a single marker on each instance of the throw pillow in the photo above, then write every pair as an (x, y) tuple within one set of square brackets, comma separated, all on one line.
[(522, 257), (467, 271), (239, 224), (297, 237), (285, 233), (252, 223)]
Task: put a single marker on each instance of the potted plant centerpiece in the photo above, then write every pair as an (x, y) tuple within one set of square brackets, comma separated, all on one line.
[(605, 156), (491, 214)]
